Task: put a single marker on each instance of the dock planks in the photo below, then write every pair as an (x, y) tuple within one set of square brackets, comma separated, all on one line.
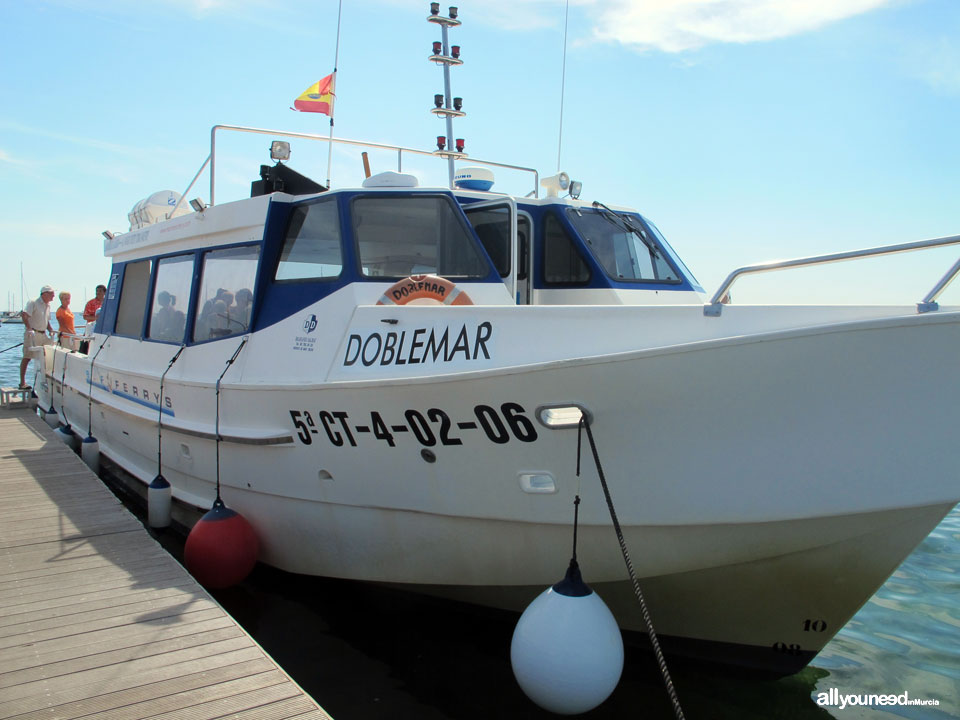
[(97, 620)]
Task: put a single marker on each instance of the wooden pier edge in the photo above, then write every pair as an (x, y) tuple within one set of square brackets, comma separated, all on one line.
[(97, 620)]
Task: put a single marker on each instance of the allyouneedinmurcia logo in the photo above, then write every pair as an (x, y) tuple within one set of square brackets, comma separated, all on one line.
[(834, 698)]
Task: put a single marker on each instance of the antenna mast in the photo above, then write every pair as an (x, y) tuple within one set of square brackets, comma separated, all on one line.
[(444, 54), (563, 83)]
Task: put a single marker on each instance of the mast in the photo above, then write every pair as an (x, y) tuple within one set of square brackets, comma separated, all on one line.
[(336, 59), (444, 54)]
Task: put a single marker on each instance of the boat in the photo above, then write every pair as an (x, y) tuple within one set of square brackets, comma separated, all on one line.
[(11, 316), (391, 382)]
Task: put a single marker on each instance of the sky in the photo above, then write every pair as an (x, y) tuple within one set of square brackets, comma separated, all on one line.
[(747, 130)]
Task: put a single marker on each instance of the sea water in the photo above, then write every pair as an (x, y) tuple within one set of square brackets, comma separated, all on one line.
[(367, 652)]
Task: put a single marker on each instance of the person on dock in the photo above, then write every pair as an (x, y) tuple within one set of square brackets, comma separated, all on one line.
[(90, 311), (65, 322), (36, 325)]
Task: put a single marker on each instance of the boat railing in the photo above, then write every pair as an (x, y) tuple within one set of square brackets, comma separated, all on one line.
[(929, 302), (212, 157)]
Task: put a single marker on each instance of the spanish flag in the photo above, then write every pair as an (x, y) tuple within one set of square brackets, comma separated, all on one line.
[(318, 97)]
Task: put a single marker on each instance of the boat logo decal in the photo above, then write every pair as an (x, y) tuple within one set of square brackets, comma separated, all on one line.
[(135, 393), (303, 343)]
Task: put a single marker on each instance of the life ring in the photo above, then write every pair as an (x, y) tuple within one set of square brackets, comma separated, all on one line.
[(424, 290)]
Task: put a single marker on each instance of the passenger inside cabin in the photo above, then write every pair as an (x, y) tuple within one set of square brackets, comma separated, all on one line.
[(168, 322), (213, 317), (244, 307), (219, 319)]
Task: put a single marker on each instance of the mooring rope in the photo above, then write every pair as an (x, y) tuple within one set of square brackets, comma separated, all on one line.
[(90, 386), (160, 412), (229, 363), (11, 348), (63, 381), (661, 660)]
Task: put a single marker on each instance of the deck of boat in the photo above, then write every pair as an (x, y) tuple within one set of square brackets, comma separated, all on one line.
[(97, 620)]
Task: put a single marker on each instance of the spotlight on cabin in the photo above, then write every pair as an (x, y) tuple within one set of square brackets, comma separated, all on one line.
[(460, 144), (555, 183), (279, 150), (453, 13), (575, 189), (457, 103), (438, 101), (198, 204), (455, 51), (441, 142), (435, 8), (107, 234)]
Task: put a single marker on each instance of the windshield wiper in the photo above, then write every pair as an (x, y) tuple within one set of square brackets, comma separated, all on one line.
[(627, 224)]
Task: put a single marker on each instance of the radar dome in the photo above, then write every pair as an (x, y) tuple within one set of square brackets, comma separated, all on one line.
[(473, 178)]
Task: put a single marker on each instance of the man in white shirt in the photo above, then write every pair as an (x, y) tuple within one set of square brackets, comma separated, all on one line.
[(36, 326)]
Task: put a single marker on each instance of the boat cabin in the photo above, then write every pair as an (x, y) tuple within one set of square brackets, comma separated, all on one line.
[(230, 269)]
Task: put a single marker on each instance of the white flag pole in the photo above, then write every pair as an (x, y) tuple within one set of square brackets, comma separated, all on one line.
[(336, 58)]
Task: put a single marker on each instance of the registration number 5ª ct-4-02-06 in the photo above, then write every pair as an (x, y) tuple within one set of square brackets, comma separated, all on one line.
[(499, 425)]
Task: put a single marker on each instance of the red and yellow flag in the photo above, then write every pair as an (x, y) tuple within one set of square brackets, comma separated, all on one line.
[(318, 97)]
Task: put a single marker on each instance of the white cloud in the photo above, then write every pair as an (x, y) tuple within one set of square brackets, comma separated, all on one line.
[(678, 25), (80, 140), (6, 157), (936, 63), (672, 25)]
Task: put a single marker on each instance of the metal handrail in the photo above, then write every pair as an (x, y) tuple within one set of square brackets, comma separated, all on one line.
[(212, 161), (184, 194), (715, 307)]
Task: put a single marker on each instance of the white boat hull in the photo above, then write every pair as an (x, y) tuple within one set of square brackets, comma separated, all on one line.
[(766, 483)]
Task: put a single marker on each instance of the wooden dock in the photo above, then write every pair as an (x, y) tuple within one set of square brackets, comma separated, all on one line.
[(97, 620)]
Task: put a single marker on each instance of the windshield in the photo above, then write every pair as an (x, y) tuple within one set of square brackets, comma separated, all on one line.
[(623, 245), (415, 234), (672, 253)]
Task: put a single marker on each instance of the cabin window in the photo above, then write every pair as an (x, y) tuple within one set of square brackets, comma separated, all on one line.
[(413, 235), (225, 302), (493, 228), (171, 295), (624, 246), (311, 250), (133, 298), (562, 263)]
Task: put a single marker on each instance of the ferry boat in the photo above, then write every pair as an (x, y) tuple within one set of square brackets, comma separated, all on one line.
[(387, 381)]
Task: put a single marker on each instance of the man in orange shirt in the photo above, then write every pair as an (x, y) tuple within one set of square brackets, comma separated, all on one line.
[(90, 309)]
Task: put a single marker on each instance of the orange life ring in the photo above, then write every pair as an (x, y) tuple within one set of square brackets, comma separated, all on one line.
[(424, 287)]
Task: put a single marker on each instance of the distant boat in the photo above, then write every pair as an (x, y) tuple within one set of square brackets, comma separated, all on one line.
[(13, 316)]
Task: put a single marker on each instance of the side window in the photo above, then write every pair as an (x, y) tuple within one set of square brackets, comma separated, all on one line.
[(171, 296), (493, 228), (133, 298), (225, 302), (561, 261), (523, 237), (311, 249)]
